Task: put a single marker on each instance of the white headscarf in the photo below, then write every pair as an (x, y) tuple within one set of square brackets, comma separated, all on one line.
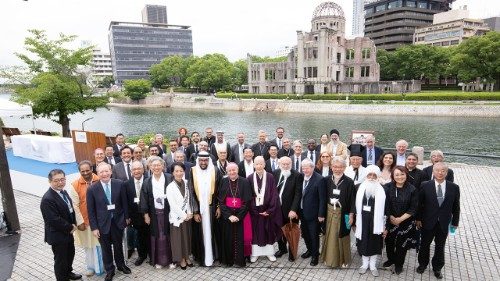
[(372, 188)]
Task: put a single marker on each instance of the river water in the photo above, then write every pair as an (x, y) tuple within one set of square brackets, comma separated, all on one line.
[(477, 136)]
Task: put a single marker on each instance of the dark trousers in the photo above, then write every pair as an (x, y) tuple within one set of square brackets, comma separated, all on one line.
[(310, 233), (113, 238), (439, 237), (396, 255), (141, 239), (64, 254)]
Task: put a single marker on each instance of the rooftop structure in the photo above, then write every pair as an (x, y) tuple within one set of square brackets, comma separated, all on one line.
[(154, 14), (391, 23), (493, 23)]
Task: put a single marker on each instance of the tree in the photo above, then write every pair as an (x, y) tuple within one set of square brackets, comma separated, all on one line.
[(210, 72), (56, 87), (106, 82), (171, 71), (477, 57), (137, 89), (268, 59), (240, 73)]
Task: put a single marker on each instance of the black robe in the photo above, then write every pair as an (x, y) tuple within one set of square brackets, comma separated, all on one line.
[(232, 233), (147, 204), (347, 199)]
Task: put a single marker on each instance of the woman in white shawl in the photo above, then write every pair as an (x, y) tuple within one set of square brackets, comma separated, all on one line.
[(180, 199), (370, 211)]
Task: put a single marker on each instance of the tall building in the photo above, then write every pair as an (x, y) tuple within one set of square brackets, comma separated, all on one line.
[(154, 14), (391, 23), (101, 66), (358, 18), (323, 61), (450, 28), (493, 23)]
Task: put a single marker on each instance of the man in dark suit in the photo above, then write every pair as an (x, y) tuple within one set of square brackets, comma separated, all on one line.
[(168, 157), (60, 223), (181, 158), (278, 141), (110, 157), (138, 232), (272, 162), (122, 170), (193, 147), (285, 150), (119, 144), (108, 215), (219, 145), (237, 149), (290, 193), (311, 151), (261, 148), (297, 156), (312, 209), (98, 158), (245, 167), (437, 156), (439, 205), (370, 152)]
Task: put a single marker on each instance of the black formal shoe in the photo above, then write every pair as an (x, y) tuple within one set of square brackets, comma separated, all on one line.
[(184, 267), (74, 276), (125, 269), (438, 274), (314, 261), (387, 264), (109, 276), (306, 255), (420, 269), (190, 264), (280, 253), (290, 257), (130, 253), (139, 261), (398, 269)]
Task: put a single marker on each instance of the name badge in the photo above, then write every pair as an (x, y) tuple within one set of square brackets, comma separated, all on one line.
[(336, 192), (136, 200), (111, 207), (367, 208)]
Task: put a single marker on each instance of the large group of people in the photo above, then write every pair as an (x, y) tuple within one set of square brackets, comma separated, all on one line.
[(204, 201)]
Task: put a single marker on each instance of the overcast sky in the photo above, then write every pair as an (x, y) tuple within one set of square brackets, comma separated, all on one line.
[(231, 27)]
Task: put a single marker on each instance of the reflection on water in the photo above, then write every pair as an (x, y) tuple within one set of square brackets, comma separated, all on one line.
[(450, 134)]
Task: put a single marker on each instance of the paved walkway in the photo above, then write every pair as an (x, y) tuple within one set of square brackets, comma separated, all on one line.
[(473, 254)]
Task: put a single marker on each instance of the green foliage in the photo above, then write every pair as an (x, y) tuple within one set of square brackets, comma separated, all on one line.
[(413, 62), (210, 72), (422, 96), (268, 59), (146, 137), (56, 86), (137, 89), (171, 71), (476, 57), (106, 82), (240, 73)]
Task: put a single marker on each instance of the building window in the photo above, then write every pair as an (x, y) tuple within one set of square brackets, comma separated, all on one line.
[(339, 57), (411, 3), (349, 54), (314, 72), (369, 11), (422, 5), (380, 8), (337, 75), (395, 4), (366, 53), (454, 42), (365, 71), (349, 72)]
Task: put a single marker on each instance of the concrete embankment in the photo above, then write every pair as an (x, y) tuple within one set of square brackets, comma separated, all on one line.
[(186, 101)]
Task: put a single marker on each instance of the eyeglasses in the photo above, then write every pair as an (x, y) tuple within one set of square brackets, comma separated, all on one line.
[(59, 180)]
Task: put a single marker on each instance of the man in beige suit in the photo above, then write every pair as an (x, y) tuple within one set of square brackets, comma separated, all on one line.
[(335, 146)]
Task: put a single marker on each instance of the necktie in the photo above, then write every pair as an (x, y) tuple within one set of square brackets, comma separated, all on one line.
[(356, 174), (280, 182), (108, 192), (306, 182), (138, 188), (128, 171), (279, 143), (110, 161), (370, 155), (303, 188), (65, 197), (195, 148), (440, 196), (296, 163), (273, 166)]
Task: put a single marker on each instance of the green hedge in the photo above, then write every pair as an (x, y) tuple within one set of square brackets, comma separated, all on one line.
[(422, 96)]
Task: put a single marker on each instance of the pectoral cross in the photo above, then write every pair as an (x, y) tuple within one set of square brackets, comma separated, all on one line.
[(234, 202)]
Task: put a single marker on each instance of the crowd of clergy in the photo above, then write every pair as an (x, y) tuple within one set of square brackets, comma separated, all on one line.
[(204, 201)]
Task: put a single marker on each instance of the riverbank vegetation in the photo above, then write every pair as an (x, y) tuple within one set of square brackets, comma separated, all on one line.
[(422, 96)]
